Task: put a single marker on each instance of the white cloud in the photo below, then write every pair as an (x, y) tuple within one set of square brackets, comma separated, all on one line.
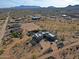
[(58, 3)]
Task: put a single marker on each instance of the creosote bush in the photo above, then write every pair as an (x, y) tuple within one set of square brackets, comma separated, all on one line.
[(34, 57), (1, 51)]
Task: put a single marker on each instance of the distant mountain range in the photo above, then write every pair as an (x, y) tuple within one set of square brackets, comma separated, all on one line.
[(31, 7), (50, 9), (25, 7)]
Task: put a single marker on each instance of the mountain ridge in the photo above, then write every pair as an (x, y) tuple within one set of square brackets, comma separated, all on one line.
[(46, 10)]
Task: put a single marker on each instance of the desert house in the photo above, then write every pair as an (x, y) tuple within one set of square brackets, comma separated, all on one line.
[(36, 18), (37, 37), (67, 17)]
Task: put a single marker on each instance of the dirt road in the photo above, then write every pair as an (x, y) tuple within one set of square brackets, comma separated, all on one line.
[(3, 30)]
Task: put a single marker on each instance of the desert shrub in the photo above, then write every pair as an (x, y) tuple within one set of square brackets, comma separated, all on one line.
[(62, 38), (1, 51), (34, 57), (50, 57), (16, 35)]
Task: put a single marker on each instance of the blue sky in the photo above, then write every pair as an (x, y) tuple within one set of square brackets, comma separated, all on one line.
[(42, 3)]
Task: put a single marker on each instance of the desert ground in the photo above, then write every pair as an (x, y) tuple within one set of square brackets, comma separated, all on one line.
[(14, 38)]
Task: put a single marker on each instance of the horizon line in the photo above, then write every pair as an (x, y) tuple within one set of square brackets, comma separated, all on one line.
[(38, 6)]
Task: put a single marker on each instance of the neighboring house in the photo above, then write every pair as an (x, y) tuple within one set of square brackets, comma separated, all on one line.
[(36, 18), (67, 17), (64, 15)]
